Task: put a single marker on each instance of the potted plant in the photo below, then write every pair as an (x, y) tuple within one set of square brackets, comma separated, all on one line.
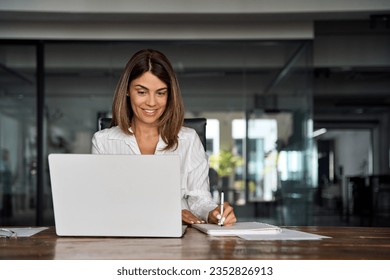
[(224, 163)]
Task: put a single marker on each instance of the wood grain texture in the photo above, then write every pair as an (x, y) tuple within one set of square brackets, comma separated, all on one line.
[(347, 243)]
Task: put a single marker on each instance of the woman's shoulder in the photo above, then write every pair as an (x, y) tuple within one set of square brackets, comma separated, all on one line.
[(187, 133), (188, 137), (110, 133)]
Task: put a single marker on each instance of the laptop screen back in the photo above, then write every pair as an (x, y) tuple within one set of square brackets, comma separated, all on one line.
[(116, 195)]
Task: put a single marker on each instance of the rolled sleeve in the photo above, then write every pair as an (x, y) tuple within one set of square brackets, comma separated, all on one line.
[(198, 187)]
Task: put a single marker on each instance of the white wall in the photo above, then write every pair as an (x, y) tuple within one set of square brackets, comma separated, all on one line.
[(353, 151)]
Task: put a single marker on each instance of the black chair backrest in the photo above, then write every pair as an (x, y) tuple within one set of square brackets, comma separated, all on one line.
[(198, 124), (104, 123)]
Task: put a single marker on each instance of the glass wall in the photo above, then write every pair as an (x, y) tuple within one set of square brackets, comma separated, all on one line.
[(256, 96), (280, 141), (18, 162)]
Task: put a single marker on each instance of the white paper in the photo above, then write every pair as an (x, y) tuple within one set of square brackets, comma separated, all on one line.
[(26, 231), (285, 234), (238, 228)]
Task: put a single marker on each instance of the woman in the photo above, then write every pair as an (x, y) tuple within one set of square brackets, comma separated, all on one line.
[(148, 115)]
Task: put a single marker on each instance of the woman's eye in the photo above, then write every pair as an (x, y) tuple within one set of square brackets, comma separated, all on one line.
[(141, 92), (161, 93)]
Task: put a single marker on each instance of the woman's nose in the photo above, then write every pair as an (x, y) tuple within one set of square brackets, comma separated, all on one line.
[(151, 100)]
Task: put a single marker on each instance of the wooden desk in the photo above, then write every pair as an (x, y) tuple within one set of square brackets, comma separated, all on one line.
[(347, 243)]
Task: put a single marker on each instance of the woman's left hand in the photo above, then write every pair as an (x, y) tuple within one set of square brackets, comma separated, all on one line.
[(189, 218)]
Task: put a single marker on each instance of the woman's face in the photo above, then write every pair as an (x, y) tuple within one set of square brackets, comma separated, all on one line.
[(148, 96)]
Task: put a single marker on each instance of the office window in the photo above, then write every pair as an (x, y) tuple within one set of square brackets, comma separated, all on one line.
[(212, 136)]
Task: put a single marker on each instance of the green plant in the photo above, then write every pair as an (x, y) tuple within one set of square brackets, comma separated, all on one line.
[(225, 162), (240, 185)]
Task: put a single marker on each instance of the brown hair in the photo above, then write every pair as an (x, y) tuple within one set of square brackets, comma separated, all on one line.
[(158, 64)]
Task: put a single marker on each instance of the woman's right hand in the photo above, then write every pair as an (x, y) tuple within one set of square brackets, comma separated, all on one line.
[(228, 218)]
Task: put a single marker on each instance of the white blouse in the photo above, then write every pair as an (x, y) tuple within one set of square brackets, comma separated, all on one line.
[(194, 169)]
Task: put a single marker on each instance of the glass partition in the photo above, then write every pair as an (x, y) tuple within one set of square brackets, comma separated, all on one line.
[(282, 119), (256, 96), (18, 162)]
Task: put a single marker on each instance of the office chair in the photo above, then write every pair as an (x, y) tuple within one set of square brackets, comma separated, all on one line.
[(198, 124)]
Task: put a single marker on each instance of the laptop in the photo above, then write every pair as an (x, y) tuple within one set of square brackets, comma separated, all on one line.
[(116, 195)]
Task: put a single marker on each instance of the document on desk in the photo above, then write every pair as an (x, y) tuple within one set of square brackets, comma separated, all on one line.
[(25, 231), (285, 234), (237, 229)]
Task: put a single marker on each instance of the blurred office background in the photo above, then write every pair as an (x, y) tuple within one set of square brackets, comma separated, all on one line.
[(296, 94)]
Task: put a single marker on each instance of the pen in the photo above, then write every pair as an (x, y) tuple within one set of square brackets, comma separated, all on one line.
[(220, 222)]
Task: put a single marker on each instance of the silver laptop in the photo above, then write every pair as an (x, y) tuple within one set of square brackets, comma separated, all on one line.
[(116, 195)]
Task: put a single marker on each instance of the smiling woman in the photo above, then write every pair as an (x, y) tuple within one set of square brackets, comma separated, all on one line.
[(148, 99), (148, 95), (146, 81), (148, 116)]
